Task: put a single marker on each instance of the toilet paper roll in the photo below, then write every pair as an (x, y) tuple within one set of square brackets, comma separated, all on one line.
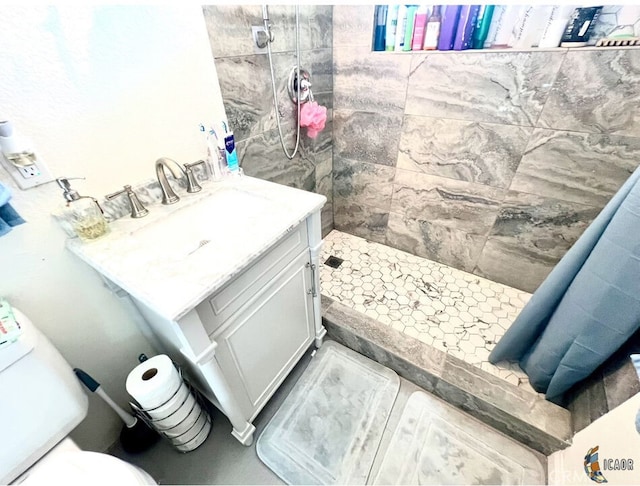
[(153, 382), (197, 441), (194, 413), (168, 409), (177, 416), (194, 431)]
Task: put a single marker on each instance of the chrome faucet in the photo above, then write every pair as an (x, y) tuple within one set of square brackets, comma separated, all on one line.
[(168, 194)]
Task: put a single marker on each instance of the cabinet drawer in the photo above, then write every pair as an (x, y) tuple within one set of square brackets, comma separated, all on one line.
[(226, 301)]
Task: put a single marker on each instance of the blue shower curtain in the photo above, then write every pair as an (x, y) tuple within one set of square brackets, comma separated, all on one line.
[(587, 307)]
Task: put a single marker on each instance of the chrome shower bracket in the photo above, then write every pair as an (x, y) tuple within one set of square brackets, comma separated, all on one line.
[(305, 86)]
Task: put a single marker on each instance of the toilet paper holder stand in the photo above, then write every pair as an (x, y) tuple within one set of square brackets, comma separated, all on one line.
[(178, 441)]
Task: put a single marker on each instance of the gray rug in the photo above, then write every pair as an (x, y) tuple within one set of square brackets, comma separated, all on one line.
[(328, 429), (434, 443)]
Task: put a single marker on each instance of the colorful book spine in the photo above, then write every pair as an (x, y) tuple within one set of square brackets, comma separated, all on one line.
[(380, 30), (392, 25), (448, 27), (480, 33), (466, 25), (496, 21), (402, 25), (408, 32), (419, 28)]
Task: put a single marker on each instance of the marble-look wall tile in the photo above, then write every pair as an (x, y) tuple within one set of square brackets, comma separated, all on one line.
[(245, 83), (229, 28), (366, 136), (580, 167), (529, 237), (362, 183), (486, 153), (324, 186), (319, 63), (353, 25), (318, 22), (443, 244), (458, 205), (596, 91), (324, 178), (261, 156), (508, 88), (360, 220), (369, 81)]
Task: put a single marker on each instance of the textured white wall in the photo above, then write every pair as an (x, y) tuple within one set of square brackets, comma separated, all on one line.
[(102, 91), (615, 433)]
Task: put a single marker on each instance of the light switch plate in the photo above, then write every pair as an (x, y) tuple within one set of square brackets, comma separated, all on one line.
[(27, 177)]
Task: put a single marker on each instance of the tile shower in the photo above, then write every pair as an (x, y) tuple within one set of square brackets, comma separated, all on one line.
[(451, 310), (490, 162), (481, 167)]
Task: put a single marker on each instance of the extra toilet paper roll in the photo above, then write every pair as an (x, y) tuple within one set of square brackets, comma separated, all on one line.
[(153, 382), (179, 411), (174, 403)]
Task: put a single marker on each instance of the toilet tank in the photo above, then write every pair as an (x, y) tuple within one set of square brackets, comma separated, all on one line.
[(41, 401)]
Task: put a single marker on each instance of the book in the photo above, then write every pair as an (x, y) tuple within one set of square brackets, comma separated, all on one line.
[(408, 33), (466, 25), (392, 24), (419, 28), (528, 30), (448, 27)]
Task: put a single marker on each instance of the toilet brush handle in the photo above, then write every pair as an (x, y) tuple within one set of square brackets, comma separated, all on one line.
[(86, 379), (128, 419)]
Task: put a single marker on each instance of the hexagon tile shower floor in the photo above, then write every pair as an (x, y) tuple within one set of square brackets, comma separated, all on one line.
[(454, 311)]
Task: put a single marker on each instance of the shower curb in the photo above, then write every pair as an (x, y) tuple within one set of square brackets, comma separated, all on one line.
[(519, 414)]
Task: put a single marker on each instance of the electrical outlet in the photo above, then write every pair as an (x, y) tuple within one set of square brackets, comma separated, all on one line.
[(27, 176), (29, 171)]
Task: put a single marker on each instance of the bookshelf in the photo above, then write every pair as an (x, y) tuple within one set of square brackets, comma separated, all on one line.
[(402, 29)]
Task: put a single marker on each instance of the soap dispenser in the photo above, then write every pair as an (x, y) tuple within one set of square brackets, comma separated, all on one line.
[(82, 213)]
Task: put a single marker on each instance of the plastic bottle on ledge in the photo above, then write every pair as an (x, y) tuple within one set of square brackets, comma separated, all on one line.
[(232, 155)]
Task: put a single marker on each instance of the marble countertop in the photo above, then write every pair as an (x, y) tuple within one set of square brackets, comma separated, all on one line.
[(179, 254)]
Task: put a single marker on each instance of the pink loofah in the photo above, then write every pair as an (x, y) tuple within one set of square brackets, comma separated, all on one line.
[(313, 116)]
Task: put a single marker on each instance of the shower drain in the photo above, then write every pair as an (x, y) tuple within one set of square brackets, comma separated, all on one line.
[(333, 261)]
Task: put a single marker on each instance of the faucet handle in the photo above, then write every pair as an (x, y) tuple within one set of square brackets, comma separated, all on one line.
[(192, 183), (137, 209)]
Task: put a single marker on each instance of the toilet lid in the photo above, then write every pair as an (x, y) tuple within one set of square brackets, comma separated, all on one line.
[(83, 467)]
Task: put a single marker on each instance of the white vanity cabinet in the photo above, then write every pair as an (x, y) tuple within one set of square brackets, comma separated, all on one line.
[(237, 313), (241, 342)]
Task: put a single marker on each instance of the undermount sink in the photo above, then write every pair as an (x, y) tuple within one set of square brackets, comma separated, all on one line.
[(200, 227)]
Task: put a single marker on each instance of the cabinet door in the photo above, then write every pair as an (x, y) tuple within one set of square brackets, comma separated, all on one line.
[(259, 345)]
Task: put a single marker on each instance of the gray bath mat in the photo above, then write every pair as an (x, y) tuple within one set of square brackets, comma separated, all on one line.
[(328, 429), (434, 443)]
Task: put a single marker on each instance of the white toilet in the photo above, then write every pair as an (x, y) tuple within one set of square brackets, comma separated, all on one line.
[(42, 402)]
